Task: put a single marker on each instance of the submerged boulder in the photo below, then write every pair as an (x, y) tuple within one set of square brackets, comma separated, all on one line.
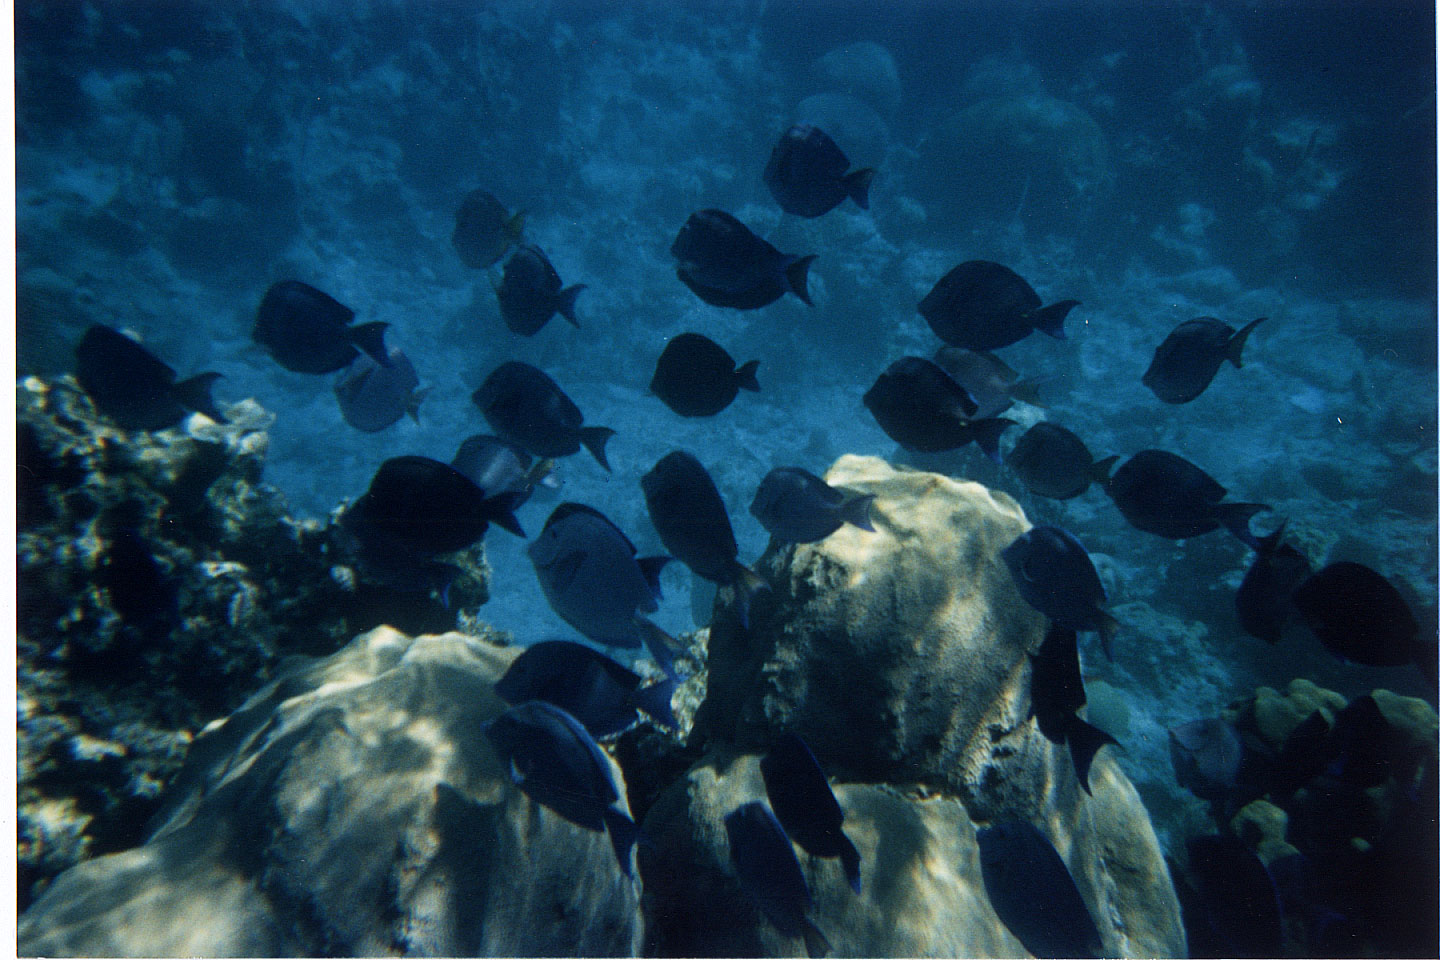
[(352, 807)]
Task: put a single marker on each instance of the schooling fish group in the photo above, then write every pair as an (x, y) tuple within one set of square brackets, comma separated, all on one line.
[(566, 696)]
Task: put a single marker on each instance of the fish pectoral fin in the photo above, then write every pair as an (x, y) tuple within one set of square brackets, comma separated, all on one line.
[(564, 569)]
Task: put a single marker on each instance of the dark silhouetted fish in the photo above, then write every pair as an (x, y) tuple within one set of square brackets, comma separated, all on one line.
[(1057, 692), (770, 875), (1054, 574), (1302, 757), (1032, 892), (498, 466), (802, 801), (1240, 903), (604, 696), (140, 591), (923, 409), (807, 175), (423, 507), (559, 765), (984, 306), (987, 379), (695, 377), (1053, 462), (1363, 747), (1188, 359), (1207, 755), (130, 386), (526, 407), (1262, 601), (796, 506), (484, 230), (728, 266), (308, 331), (1359, 616), (690, 517), (373, 397), (592, 579), (530, 292), (1169, 496)]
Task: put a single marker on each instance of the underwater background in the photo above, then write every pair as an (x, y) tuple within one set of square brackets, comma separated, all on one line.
[(1157, 162)]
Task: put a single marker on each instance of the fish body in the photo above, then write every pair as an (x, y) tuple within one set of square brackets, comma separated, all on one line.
[(794, 505), (423, 508), (134, 388), (530, 292), (1187, 360), (807, 174), (1239, 898), (309, 331), (1032, 892), (498, 466), (1054, 575), (727, 265), (695, 377), (805, 806), (987, 379), (981, 305), (1169, 496), (484, 230), (1359, 616), (1053, 462), (769, 874), (1057, 692), (1262, 602), (923, 409), (604, 696), (524, 406), (1207, 755), (373, 397), (558, 764)]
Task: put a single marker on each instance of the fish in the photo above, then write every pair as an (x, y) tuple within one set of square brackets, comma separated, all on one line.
[(1054, 575), (1302, 756), (1188, 359), (690, 517), (498, 466), (139, 589), (726, 265), (1359, 616), (801, 799), (484, 230), (1057, 692), (806, 174), (695, 377), (794, 505), (1262, 602), (1167, 495), (308, 331), (605, 697), (1033, 893), (770, 875), (530, 292), (923, 409), (135, 389), (1053, 462), (1207, 755), (524, 406), (593, 580), (373, 397), (987, 379), (1240, 903), (423, 508), (1361, 748), (560, 766), (981, 305)]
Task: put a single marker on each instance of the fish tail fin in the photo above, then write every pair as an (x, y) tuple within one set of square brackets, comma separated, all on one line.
[(857, 511), (850, 860), (987, 435), (1237, 342), (1100, 469), (623, 833), (1085, 741), (650, 568), (594, 439), (1051, 319), (195, 394), (816, 946), (796, 276), (1028, 391), (515, 227), (1109, 626), (370, 337), (500, 510), (541, 473), (857, 184), (745, 376), (654, 701), (1269, 543), (1235, 517), (565, 303), (662, 648), (412, 405)]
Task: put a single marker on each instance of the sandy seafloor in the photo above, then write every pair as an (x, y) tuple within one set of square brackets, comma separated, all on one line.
[(1157, 162)]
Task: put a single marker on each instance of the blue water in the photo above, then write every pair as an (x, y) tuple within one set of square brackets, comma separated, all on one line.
[(1156, 161)]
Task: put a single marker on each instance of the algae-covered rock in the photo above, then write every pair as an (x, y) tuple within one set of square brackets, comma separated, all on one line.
[(352, 807), (1274, 715)]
